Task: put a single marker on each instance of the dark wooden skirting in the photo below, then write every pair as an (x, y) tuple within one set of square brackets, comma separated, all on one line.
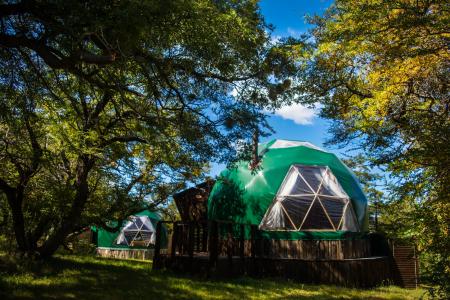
[(143, 254), (315, 249), (364, 273), (221, 248)]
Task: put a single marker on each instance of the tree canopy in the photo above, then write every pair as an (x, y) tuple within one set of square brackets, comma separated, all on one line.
[(380, 72), (109, 106)]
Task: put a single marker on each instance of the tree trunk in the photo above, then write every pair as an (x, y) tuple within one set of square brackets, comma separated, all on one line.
[(70, 220), (15, 197), (18, 220)]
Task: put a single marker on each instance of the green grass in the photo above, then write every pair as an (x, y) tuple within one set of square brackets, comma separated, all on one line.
[(84, 277)]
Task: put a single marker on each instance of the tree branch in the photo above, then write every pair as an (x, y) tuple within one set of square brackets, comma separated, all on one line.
[(125, 139), (51, 56)]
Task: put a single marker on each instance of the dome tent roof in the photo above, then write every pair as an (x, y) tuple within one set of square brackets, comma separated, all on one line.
[(243, 196)]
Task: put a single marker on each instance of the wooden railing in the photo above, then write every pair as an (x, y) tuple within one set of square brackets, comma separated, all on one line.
[(214, 239), (208, 239)]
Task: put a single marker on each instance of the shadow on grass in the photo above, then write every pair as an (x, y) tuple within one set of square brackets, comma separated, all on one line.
[(74, 277)]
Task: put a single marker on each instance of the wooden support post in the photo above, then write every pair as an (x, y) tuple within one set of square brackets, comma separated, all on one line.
[(253, 248), (157, 255), (242, 242), (197, 237), (213, 243), (253, 240), (242, 248), (182, 238), (230, 245), (204, 236), (190, 244), (173, 251), (191, 239)]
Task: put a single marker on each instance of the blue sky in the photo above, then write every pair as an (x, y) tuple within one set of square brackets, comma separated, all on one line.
[(288, 17), (295, 122)]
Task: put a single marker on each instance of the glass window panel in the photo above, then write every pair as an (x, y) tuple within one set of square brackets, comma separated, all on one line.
[(131, 226), (146, 235), (331, 186), (147, 224), (138, 237), (138, 222), (312, 175), (296, 208), (129, 235), (152, 239), (276, 218), (349, 223), (294, 185), (121, 239), (316, 219), (334, 207)]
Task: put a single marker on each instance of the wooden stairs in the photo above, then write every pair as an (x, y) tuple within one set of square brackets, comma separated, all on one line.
[(406, 264)]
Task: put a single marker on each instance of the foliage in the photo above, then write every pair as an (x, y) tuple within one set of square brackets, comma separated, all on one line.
[(372, 184), (381, 74), (92, 278), (170, 212), (108, 107)]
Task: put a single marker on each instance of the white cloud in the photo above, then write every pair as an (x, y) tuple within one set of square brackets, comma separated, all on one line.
[(275, 39), (298, 113), (294, 32)]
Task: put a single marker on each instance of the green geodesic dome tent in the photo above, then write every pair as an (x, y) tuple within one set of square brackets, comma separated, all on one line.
[(137, 232), (299, 191)]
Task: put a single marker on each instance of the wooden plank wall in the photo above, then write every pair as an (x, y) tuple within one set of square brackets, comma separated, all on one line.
[(192, 202), (301, 249), (316, 249), (195, 237)]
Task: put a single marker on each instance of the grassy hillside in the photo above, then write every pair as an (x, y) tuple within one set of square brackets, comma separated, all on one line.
[(83, 277)]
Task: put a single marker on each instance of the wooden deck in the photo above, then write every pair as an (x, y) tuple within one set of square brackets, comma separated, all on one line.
[(214, 250)]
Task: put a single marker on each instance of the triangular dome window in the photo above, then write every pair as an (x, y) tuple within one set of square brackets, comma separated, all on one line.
[(138, 231), (310, 198)]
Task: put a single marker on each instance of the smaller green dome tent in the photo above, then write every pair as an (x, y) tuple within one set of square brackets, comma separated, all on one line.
[(140, 227), (298, 191)]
